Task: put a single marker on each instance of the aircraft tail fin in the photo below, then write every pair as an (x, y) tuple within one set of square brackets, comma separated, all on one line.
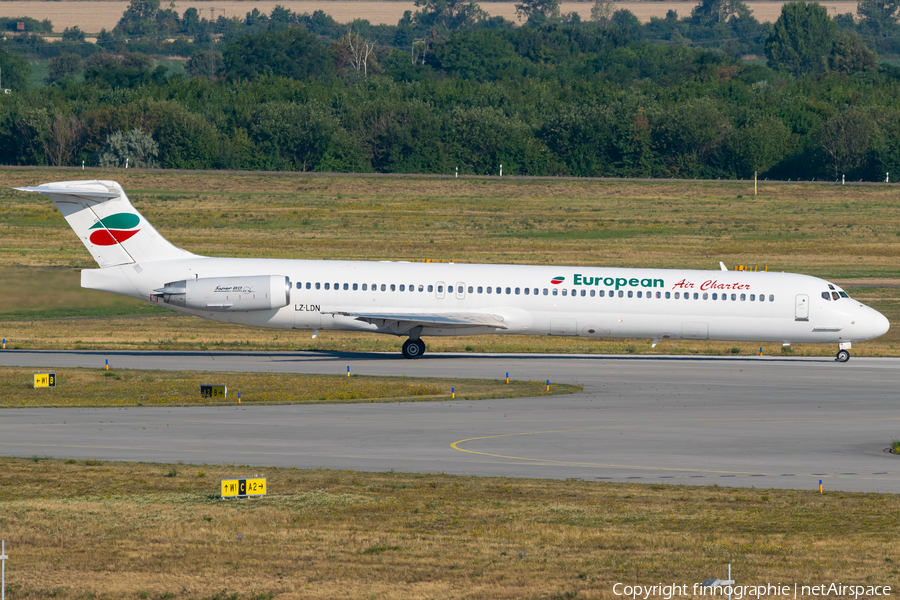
[(112, 230)]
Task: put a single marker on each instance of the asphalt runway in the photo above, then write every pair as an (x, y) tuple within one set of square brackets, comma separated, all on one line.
[(760, 422)]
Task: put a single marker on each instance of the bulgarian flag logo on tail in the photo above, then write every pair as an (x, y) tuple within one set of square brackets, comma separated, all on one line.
[(114, 229), (557, 280)]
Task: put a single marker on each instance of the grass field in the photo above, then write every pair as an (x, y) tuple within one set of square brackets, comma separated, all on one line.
[(91, 16), (848, 234), (123, 387), (92, 529)]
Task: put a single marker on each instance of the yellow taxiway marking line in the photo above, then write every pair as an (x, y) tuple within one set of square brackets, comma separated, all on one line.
[(455, 446)]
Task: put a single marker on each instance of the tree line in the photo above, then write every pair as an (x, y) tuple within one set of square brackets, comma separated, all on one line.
[(449, 88)]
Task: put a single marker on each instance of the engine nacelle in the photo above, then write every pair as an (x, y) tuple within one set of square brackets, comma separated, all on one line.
[(256, 292)]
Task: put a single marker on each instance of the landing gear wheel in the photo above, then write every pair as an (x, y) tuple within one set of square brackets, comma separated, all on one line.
[(413, 348), (842, 356)]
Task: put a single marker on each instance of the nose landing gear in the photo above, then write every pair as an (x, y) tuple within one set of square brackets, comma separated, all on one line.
[(413, 348), (842, 356)]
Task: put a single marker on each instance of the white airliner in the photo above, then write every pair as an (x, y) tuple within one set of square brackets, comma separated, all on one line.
[(415, 300)]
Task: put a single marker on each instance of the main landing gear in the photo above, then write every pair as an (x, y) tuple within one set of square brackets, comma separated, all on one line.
[(842, 356), (413, 348)]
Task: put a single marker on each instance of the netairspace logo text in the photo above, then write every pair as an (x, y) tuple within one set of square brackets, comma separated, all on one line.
[(738, 592)]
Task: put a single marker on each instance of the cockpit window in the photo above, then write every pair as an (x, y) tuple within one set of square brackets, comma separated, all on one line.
[(830, 287), (844, 295), (826, 296), (835, 295)]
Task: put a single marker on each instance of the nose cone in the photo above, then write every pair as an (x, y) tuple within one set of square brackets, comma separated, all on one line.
[(880, 325)]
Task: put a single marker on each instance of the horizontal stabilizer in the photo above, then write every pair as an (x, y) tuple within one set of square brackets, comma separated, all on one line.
[(69, 191)]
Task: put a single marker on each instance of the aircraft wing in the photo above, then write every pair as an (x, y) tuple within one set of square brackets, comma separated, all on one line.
[(403, 322)]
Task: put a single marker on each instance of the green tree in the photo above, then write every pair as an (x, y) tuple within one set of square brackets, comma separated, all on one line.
[(448, 15), (14, 71), (139, 149), (205, 63), (291, 53), (847, 136), (801, 39), (139, 19), (64, 67), (297, 134), (73, 34), (879, 16), (539, 12), (849, 55), (759, 146), (690, 133)]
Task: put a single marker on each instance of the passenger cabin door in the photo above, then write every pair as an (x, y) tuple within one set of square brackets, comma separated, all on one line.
[(460, 290), (439, 289), (801, 308)]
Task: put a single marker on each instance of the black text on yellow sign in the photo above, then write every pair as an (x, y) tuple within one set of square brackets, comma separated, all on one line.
[(44, 380), (241, 488), (213, 391)]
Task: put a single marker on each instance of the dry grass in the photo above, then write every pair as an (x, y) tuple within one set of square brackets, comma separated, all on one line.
[(123, 387), (86, 529), (843, 233), (92, 16)]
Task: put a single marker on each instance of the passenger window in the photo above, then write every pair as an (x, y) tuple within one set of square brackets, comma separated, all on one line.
[(337, 286), (480, 289), (489, 289), (659, 294), (555, 291), (412, 288), (308, 284), (565, 292), (639, 295), (771, 298), (527, 291), (299, 285), (421, 287), (593, 293), (470, 289), (621, 293), (743, 297), (355, 286), (517, 291), (601, 293), (449, 289), (705, 296), (365, 287), (630, 293), (762, 298), (440, 289), (546, 291), (668, 295), (393, 288), (383, 287), (402, 288), (752, 297), (507, 291), (346, 286), (733, 297), (583, 292), (715, 296), (677, 295), (327, 286), (318, 285), (430, 288)]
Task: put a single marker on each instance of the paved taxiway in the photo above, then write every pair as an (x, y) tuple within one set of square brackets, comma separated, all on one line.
[(763, 422)]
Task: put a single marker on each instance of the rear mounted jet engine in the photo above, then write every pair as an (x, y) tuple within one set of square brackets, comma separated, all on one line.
[(261, 292)]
